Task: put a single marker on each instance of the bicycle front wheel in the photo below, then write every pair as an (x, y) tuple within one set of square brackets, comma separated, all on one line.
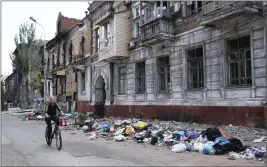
[(58, 139), (48, 140)]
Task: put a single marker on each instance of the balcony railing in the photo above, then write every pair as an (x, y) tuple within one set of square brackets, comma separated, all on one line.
[(106, 43), (160, 25), (212, 6)]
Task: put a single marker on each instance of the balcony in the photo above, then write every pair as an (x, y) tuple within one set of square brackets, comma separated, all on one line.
[(157, 30), (216, 12)]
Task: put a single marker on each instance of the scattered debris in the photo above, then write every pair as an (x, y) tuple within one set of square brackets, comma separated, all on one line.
[(259, 140)]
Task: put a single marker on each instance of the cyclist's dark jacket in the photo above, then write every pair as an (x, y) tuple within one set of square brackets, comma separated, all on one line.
[(52, 110)]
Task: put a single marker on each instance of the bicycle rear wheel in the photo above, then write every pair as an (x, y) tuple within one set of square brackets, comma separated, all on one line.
[(48, 140), (58, 139)]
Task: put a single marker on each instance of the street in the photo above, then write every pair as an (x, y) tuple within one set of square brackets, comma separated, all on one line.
[(23, 144)]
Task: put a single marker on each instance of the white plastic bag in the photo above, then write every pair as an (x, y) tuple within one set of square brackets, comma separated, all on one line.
[(120, 138), (178, 148)]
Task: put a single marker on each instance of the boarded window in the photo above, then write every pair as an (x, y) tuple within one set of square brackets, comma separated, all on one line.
[(239, 61), (195, 70)]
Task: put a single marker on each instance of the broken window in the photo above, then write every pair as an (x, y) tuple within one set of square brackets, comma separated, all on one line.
[(239, 61), (64, 54), (161, 7), (82, 46), (193, 7), (137, 30), (195, 68), (149, 13), (82, 82), (122, 79), (140, 74), (53, 61), (97, 40), (48, 63), (164, 73), (136, 12), (105, 35), (70, 53)]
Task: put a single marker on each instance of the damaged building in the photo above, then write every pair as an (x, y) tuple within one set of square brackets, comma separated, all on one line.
[(191, 60)]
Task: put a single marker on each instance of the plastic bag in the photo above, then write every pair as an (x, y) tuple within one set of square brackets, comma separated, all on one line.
[(129, 130), (120, 138), (140, 125), (208, 149), (198, 146), (178, 148)]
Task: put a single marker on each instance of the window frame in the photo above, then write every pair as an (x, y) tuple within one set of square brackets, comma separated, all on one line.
[(139, 77), (238, 61), (188, 68), (167, 70), (124, 78)]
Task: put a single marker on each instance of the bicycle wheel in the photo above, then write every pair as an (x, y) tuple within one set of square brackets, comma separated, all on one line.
[(58, 139), (48, 140)]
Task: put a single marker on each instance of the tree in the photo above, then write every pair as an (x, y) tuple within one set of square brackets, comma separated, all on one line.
[(2, 94), (26, 58)]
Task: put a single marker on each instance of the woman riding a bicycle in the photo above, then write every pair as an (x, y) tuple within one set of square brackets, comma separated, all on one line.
[(51, 114)]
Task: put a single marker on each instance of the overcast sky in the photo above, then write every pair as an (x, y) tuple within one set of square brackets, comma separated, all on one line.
[(14, 13)]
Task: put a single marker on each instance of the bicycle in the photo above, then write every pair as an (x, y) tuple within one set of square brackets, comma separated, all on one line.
[(56, 133)]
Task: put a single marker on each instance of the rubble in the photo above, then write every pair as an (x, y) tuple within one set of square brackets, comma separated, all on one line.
[(177, 136)]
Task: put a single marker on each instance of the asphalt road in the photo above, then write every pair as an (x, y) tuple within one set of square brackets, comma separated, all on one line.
[(23, 144)]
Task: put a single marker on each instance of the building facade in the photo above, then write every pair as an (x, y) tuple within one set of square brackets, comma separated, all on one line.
[(67, 53), (187, 60)]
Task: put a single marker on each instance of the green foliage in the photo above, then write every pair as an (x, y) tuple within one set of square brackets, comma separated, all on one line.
[(26, 57), (36, 82)]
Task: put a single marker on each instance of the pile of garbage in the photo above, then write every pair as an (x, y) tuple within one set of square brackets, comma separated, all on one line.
[(209, 141)]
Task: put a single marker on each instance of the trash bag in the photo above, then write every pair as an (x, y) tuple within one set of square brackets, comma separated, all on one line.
[(179, 148), (192, 134), (257, 152), (140, 125), (129, 130), (154, 140), (198, 146), (120, 138), (119, 131), (211, 133), (208, 149)]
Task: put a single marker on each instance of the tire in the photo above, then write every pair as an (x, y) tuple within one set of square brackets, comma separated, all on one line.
[(58, 139), (48, 141)]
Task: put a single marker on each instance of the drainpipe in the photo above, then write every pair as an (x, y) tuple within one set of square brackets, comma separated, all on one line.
[(91, 69), (265, 43)]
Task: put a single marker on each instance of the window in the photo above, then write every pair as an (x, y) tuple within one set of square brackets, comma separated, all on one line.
[(97, 41), (193, 7), (82, 46), (163, 8), (58, 56), (164, 73), (122, 79), (195, 70), (239, 61), (70, 53), (136, 12), (140, 74), (137, 30), (64, 53), (105, 35), (149, 13), (48, 63), (53, 61), (82, 82)]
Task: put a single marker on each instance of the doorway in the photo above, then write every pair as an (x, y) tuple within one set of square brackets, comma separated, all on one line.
[(100, 96)]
